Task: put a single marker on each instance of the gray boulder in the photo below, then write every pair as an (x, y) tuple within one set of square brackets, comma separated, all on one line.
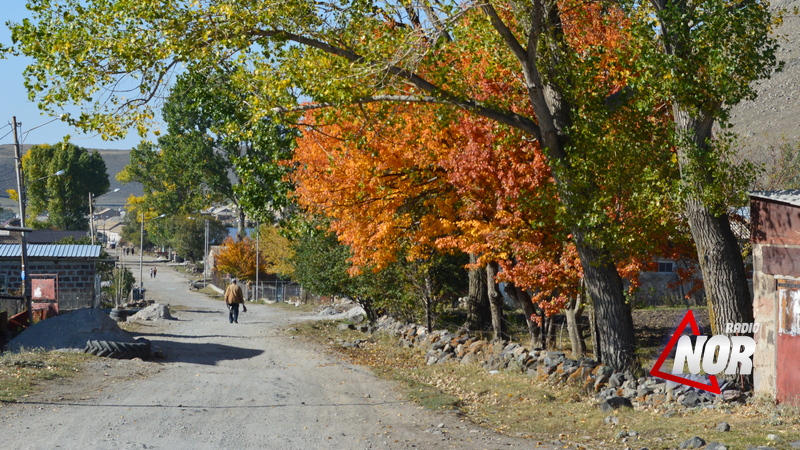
[(694, 442), (156, 311)]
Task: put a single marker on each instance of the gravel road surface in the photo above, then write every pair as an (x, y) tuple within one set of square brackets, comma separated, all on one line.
[(230, 386)]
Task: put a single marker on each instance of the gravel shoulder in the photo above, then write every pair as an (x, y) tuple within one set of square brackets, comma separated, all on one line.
[(221, 385)]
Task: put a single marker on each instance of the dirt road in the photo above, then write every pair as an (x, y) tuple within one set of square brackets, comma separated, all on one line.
[(229, 386)]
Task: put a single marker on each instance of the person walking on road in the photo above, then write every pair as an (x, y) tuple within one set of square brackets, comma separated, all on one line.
[(234, 298)]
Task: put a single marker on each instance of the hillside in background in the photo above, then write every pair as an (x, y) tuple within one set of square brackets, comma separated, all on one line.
[(773, 119), (115, 160)]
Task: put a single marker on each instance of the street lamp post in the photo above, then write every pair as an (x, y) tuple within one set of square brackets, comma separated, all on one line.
[(141, 253), (91, 210)]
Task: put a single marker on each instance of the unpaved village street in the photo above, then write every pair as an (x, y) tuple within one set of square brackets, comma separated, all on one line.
[(229, 386)]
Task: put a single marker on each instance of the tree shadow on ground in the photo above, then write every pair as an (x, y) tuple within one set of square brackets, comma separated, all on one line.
[(209, 354)]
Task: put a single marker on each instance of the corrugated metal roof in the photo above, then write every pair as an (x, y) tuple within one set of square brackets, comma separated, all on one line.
[(51, 251), (790, 196)]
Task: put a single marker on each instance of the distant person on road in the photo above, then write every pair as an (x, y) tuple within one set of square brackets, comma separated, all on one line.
[(234, 298), (151, 272), (155, 271)]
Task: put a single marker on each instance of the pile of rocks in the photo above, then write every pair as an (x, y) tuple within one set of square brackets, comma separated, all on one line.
[(612, 389), (71, 331), (156, 311)]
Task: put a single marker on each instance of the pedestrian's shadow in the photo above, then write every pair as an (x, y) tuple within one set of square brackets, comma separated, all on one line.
[(203, 353)]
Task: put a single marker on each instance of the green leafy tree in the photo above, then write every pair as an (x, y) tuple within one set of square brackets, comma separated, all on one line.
[(248, 147), (412, 290), (172, 174), (214, 151), (64, 198), (709, 55), (186, 235)]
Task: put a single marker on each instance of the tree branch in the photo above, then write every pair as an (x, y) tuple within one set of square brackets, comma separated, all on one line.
[(441, 96)]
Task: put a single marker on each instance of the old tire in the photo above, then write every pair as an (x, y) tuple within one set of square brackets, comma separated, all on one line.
[(119, 350)]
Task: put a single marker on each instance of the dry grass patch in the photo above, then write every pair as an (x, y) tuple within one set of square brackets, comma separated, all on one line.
[(302, 307), (520, 406), (21, 372)]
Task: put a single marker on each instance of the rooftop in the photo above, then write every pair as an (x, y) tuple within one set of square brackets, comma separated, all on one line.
[(51, 251), (790, 196)]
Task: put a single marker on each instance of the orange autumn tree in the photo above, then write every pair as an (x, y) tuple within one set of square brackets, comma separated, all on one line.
[(237, 258), (402, 186)]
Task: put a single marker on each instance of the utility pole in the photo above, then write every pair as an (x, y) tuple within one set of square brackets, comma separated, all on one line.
[(141, 258), (91, 217), (258, 239), (205, 257), (23, 243)]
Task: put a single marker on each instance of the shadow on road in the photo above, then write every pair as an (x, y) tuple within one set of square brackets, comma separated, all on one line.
[(203, 353)]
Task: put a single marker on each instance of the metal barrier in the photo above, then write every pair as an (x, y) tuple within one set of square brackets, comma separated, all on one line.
[(276, 291)]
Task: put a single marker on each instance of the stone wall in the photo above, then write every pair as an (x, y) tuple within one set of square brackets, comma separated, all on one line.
[(609, 388)]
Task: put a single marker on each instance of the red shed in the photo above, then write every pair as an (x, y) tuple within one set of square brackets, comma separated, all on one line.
[(775, 236)]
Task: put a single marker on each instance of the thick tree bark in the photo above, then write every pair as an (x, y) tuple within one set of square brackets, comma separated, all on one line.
[(523, 300), (478, 312), (495, 302), (613, 315), (718, 252), (720, 257)]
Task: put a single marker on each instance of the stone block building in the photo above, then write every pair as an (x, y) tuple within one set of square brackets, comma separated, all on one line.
[(70, 270)]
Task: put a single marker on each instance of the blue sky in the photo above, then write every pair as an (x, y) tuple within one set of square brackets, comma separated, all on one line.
[(14, 100)]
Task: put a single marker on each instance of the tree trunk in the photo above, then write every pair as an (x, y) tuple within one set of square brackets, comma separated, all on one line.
[(478, 312), (240, 225), (720, 257), (367, 304), (613, 315), (718, 252), (573, 314), (523, 300), (428, 303), (495, 302), (598, 355), (548, 332)]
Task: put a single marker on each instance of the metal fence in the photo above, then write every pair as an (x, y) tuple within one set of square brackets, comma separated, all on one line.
[(72, 301), (276, 291)]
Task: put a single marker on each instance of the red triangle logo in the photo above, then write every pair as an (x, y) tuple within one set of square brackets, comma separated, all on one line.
[(688, 320)]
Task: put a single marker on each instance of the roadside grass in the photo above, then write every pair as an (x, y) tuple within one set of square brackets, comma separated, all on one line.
[(21, 372), (303, 307), (517, 405), (210, 292)]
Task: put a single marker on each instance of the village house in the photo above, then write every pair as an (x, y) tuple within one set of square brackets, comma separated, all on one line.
[(62, 274)]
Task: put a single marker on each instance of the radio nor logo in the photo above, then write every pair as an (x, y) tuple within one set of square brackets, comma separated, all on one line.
[(712, 355)]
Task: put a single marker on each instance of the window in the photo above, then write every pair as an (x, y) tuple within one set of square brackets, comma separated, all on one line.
[(666, 267)]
